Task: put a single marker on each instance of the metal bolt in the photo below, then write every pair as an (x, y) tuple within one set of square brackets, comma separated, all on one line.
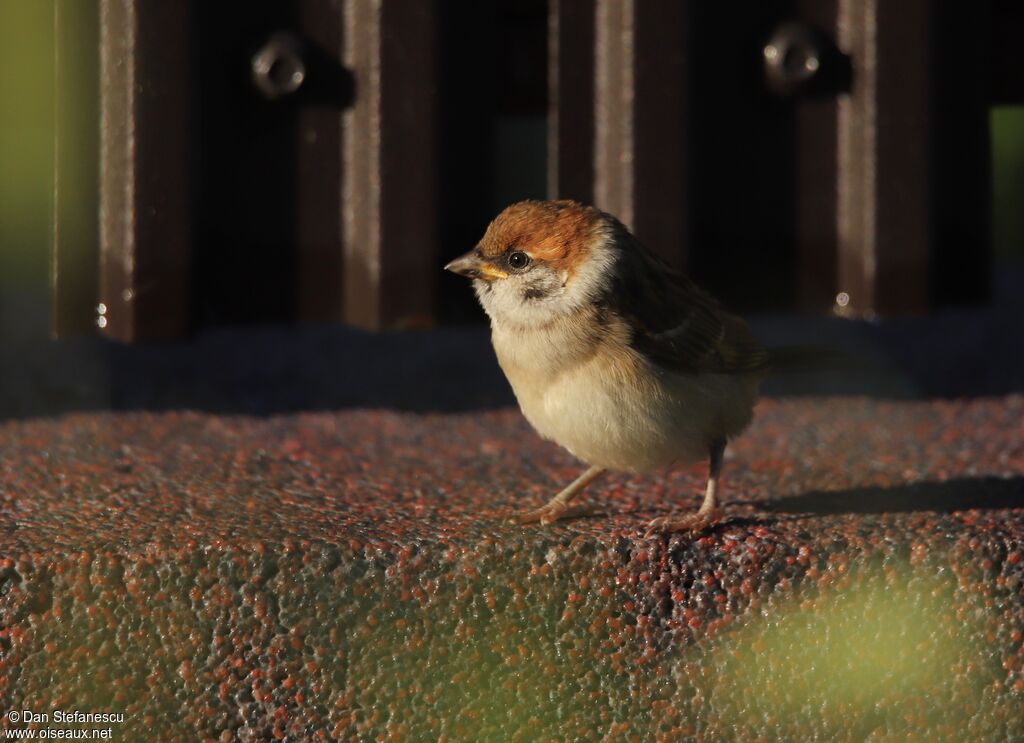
[(279, 67), (793, 57)]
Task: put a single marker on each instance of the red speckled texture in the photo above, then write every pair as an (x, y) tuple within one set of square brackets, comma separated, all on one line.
[(353, 576)]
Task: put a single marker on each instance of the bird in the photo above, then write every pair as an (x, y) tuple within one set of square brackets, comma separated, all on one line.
[(611, 352)]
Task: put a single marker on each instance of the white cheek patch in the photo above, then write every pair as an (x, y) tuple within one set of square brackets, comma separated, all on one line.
[(541, 295), (518, 301)]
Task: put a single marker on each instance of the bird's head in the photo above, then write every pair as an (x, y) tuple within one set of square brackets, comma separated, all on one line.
[(540, 260)]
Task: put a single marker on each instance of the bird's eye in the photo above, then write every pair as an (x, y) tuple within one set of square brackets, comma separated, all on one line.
[(518, 260)]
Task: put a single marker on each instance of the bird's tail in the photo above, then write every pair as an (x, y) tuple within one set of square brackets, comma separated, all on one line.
[(809, 359)]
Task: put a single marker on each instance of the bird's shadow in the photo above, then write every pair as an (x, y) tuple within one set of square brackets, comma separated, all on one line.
[(952, 495)]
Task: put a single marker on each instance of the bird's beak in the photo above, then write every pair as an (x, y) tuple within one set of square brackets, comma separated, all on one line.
[(472, 266)]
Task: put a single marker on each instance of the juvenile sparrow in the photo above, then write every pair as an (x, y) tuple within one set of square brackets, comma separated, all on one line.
[(611, 353)]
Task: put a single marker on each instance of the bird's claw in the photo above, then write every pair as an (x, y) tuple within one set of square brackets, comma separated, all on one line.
[(551, 512), (693, 523)]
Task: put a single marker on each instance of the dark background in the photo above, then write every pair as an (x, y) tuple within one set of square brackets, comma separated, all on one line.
[(251, 356)]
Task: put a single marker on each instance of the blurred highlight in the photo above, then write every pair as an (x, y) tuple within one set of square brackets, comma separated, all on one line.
[(878, 654), (26, 139)]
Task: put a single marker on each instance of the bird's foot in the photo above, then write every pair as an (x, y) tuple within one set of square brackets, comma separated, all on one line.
[(552, 511), (693, 523)]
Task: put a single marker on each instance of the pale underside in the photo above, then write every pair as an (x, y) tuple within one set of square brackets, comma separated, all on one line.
[(613, 408)]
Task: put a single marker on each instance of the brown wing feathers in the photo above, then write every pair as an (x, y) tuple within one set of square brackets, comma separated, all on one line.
[(677, 325)]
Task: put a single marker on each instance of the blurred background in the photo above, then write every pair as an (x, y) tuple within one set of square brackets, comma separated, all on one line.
[(246, 206)]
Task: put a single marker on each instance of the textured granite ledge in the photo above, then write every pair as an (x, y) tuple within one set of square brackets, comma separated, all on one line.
[(353, 576)]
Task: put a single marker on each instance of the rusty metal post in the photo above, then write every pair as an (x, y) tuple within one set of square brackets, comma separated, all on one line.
[(905, 142), (884, 213), (146, 167), (389, 220), (641, 133)]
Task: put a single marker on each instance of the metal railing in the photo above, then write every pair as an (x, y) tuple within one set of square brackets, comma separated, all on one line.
[(307, 161)]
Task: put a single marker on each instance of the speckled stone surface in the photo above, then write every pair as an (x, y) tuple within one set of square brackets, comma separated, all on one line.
[(353, 576)]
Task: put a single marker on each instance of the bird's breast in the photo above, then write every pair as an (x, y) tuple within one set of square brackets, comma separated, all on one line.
[(604, 403)]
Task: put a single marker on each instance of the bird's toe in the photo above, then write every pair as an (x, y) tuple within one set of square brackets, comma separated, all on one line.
[(693, 523), (552, 512)]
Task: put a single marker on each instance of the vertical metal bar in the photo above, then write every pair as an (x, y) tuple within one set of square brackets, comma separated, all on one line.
[(857, 166), (390, 164), (884, 166), (614, 114), (641, 133), (571, 100), (145, 169), (75, 249)]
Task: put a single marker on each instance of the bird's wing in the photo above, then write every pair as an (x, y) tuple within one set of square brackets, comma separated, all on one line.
[(676, 324)]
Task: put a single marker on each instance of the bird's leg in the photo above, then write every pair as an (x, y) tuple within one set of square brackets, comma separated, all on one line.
[(708, 512), (558, 507)]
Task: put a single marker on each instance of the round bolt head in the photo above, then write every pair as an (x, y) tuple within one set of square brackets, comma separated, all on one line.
[(278, 67), (792, 57)]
